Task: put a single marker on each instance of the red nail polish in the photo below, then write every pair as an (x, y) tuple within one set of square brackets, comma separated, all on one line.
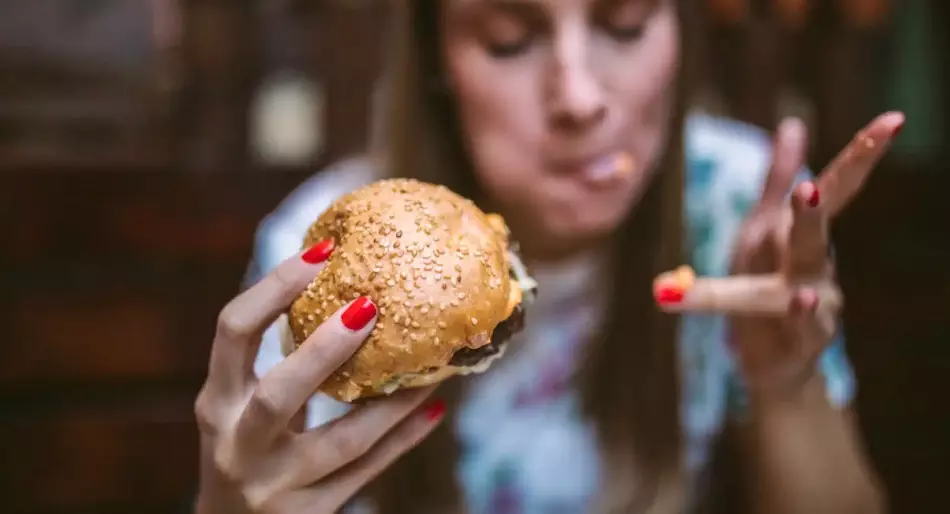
[(667, 295), (318, 252), (815, 197), (434, 410), (897, 130), (359, 313)]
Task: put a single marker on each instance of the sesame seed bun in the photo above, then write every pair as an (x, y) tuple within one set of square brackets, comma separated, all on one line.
[(440, 271)]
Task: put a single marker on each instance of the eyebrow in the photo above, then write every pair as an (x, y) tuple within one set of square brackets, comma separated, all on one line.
[(501, 3), (648, 4), (521, 4), (466, 9)]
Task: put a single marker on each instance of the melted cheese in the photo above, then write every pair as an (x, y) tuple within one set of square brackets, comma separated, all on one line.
[(399, 381), (527, 284)]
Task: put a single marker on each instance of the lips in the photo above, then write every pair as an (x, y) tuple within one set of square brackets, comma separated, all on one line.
[(606, 168), (573, 164)]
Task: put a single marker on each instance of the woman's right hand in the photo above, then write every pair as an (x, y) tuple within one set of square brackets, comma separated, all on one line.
[(251, 458)]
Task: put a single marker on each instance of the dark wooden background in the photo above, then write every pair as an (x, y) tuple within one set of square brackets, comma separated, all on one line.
[(129, 201)]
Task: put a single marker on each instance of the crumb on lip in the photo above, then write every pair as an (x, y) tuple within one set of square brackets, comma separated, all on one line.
[(623, 164)]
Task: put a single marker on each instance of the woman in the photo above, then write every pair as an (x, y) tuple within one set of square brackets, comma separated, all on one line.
[(516, 104)]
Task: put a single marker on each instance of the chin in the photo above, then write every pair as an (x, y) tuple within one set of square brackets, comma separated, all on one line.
[(588, 219), (586, 230), (575, 233)]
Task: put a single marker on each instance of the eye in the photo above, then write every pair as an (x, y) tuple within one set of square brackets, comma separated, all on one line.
[(509, 49), (626, 34), (626, 20), (506, 32)]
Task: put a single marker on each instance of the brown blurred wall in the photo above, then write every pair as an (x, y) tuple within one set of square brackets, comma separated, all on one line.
[(128, 228)]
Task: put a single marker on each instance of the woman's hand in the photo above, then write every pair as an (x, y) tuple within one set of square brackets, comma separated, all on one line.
[(252, 460), (782, 297)]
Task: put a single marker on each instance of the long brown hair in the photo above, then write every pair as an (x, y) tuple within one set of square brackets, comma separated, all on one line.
[(629, 379)]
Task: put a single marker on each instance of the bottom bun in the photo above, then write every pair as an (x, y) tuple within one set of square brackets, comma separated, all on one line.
[(349, 392), (412, 380)]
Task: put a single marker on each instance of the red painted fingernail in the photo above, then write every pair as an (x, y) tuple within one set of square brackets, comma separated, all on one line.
[(815, 197), (897, 130), (359, 313), (318, 252), (668, 295), (434, 410)]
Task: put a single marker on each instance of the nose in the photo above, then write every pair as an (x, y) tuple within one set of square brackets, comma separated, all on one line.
[(577, 100)]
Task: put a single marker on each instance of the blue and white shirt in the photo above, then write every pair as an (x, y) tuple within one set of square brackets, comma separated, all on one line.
[(525, 447)]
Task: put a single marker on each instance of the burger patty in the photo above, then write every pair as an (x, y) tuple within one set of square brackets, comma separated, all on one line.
[(501, 335)]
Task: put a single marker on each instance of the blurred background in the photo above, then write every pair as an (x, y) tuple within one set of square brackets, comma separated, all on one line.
[(142, 141)]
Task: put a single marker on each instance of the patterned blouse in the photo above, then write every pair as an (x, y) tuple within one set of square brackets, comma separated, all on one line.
[(526, 449)]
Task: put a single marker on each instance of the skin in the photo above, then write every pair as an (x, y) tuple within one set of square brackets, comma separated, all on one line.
[(545, 87), (561, 84), (803, 454), (253, 457)]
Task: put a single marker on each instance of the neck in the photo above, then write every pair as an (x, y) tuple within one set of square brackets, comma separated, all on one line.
[(553, 251), (540, 248)]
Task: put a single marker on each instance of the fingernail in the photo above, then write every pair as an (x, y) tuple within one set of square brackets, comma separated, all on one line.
[(318, 252), (897, 130), (804, 302), (670, 287), (359, 313), (669, 295), (815, 197), (434, 410)]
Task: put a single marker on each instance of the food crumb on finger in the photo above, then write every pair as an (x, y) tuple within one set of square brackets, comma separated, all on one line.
[(682, 276), (681, 280)]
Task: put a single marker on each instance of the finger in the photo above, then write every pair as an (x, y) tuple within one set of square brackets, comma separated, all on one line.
[(760, 295), (330, 494), (762, 244), (789, 361), (811, 322), (322, 451), (284, 390), (847, 173), (739, 294), (788, 158), (808, 235), (243, 320)]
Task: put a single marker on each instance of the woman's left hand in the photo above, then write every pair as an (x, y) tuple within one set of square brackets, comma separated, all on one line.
[(782, 297)]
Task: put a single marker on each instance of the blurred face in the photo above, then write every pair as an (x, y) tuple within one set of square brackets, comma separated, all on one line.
[(552, 95)]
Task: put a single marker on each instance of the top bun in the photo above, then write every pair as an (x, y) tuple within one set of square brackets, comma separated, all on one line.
[(435, 265)]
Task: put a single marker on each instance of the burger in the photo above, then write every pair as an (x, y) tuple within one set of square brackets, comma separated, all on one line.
[(448, 284)]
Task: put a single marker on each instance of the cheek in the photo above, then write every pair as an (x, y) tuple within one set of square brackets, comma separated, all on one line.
[(501, 115), (647, 89)]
